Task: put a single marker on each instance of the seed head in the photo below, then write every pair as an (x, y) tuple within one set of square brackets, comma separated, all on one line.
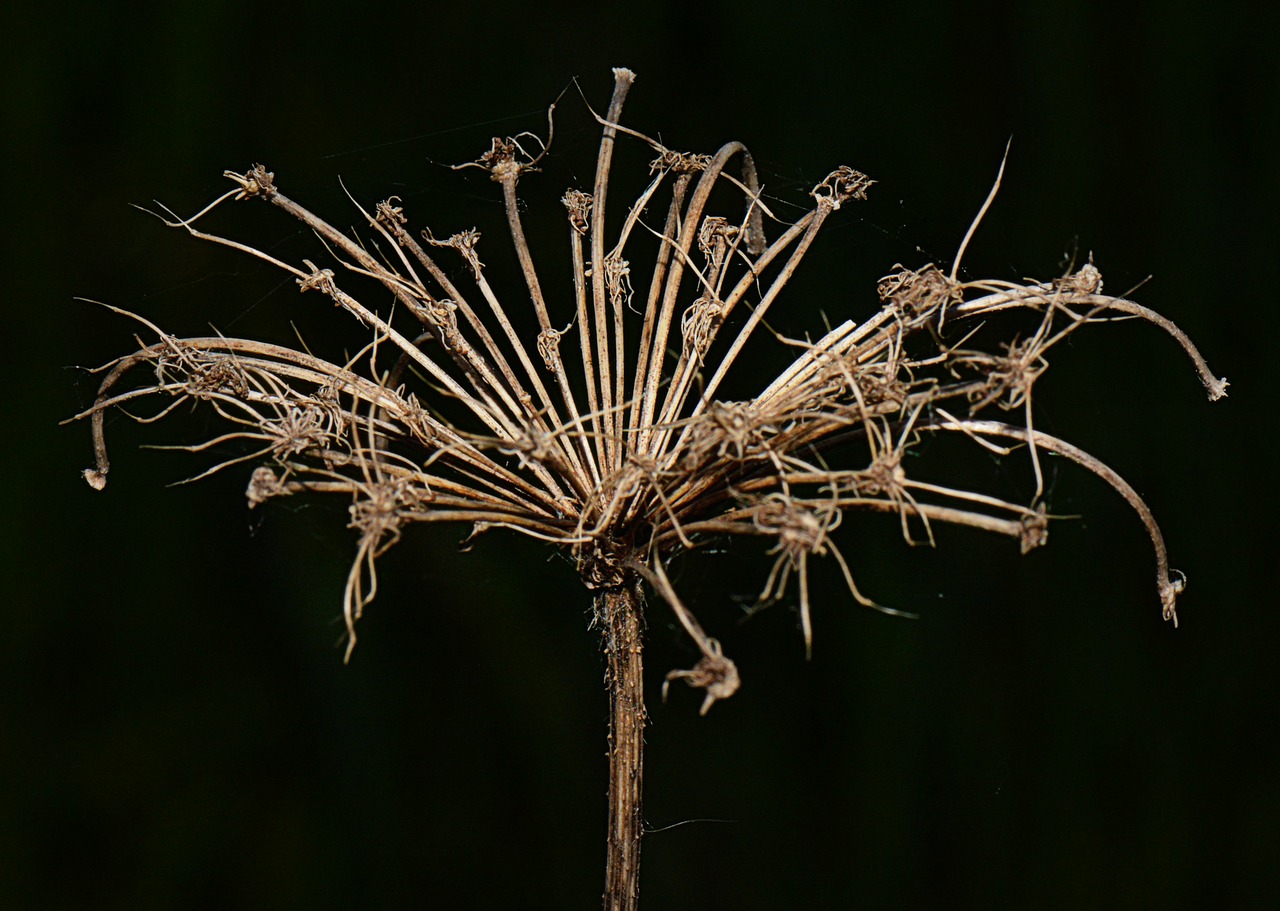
[(622, 453)]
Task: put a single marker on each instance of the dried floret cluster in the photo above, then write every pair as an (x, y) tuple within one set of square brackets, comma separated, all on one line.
[(621, 451)]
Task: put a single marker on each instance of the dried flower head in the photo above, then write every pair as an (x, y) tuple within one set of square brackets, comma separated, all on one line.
[(650, 461), (623, 453)]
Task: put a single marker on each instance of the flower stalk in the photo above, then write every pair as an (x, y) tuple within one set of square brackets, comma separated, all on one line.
[(619, 611)]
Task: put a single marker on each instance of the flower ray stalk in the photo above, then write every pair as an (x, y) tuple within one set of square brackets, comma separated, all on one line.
[(653, 464)]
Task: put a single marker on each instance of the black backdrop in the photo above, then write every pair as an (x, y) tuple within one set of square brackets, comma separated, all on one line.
[(176, 725)]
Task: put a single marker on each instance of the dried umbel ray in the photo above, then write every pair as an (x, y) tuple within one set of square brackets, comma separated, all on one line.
[(621, 452)]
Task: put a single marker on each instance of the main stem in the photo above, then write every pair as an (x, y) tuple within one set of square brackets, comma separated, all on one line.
[(620, 614)]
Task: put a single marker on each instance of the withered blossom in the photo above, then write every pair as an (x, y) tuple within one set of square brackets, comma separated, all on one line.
[(623, 453)]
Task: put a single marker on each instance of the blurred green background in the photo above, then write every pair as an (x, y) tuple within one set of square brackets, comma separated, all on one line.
[(177, 729)]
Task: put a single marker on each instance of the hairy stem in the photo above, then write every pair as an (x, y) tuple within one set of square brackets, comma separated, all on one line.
[(619, 612)]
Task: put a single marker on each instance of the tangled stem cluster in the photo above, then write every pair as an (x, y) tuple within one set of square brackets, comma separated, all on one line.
[(622, 452)]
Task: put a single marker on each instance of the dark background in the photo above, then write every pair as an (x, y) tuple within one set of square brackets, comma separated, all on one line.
[(177, 729)]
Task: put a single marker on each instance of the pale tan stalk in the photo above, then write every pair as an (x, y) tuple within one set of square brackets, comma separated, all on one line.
[(622, 80)]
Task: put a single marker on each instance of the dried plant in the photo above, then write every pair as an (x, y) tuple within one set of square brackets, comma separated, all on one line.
[(621, 452)]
